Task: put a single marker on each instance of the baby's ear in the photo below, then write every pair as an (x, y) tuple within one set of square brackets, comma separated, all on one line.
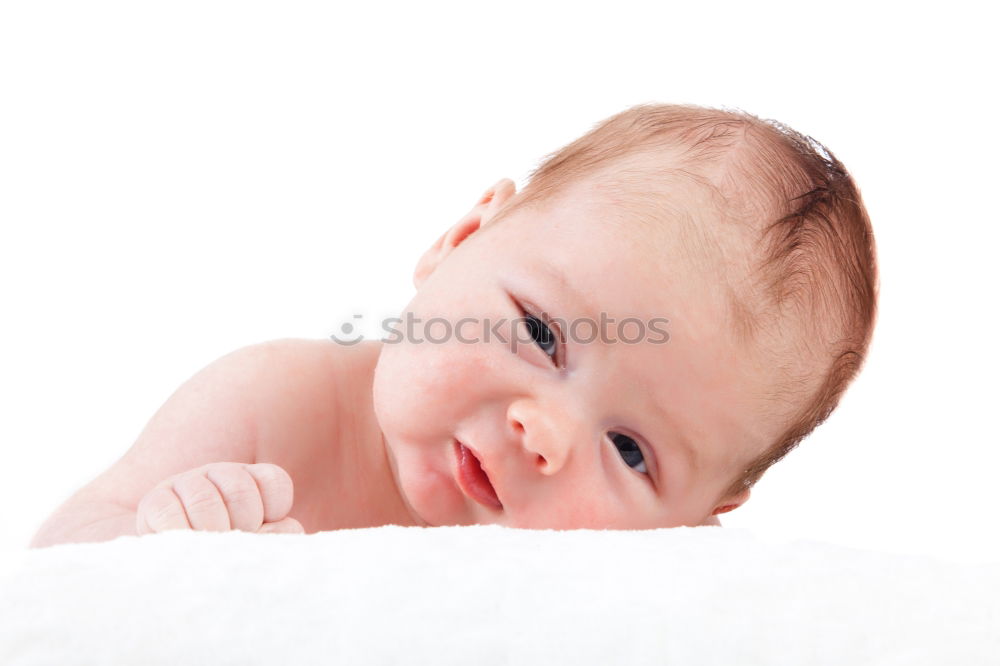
[(495, 198), (488, 205), (732, 502)]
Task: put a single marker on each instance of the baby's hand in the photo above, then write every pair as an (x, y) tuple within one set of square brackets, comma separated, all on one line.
[(219, 497)]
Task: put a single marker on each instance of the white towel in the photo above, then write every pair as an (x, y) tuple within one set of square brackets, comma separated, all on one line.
[(492, 595)]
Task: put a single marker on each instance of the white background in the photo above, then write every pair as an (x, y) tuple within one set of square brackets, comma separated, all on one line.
[(181, 179)]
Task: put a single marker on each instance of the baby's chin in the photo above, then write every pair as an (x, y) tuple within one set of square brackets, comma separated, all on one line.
[(430, 493)]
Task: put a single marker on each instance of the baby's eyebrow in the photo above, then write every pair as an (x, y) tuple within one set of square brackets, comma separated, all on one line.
[(559, 277), (676, 435)]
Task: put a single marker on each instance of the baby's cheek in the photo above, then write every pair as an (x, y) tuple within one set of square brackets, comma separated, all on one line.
[(406, 394), (580, 511), (443, 379)]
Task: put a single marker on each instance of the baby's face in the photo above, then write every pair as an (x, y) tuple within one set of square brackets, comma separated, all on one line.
[(571, 433)]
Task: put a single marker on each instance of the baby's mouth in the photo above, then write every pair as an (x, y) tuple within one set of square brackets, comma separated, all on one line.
[(473, 479)]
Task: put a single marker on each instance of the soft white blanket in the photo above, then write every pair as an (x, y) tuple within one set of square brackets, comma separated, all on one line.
[(492, 595)]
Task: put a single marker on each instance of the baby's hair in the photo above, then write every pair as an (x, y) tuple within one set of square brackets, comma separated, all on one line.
[(808, 298)]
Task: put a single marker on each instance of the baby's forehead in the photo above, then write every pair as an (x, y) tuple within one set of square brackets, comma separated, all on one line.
[(692, 251), (669, 221)]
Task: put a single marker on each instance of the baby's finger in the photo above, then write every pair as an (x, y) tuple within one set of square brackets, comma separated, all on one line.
[(276, 490), (240, 493), (205, 508), (160, 510), (284, 526)]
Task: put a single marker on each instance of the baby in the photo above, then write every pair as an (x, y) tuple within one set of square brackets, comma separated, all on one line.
[(669, 306)]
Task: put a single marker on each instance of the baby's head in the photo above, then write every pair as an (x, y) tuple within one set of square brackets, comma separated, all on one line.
[(669, 306)]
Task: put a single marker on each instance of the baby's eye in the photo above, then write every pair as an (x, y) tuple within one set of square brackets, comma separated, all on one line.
[(542, 335), (629, 451)]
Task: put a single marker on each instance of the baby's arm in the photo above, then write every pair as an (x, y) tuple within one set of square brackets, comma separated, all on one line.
[(210, 418)]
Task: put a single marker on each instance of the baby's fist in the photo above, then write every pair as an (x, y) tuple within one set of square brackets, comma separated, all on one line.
[(220, 497)]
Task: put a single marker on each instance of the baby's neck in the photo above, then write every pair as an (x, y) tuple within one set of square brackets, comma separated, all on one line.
[(335, 451), (366, 476)]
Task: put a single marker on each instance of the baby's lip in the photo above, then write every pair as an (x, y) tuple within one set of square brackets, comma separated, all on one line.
[(473, 478)]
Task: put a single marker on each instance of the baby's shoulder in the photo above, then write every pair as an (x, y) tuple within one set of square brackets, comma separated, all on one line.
[(320, 365), (307, 392), (306, 385), (315, 407)]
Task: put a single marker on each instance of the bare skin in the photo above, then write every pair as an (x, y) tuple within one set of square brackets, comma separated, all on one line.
[(324, 437), (586, 430), (282, 408), (338, 463), (303, 414)]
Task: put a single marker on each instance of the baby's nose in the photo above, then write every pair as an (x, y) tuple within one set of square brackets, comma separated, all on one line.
[(544, 435)]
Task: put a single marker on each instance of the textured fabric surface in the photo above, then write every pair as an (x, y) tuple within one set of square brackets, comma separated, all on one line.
[(491, 595)]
